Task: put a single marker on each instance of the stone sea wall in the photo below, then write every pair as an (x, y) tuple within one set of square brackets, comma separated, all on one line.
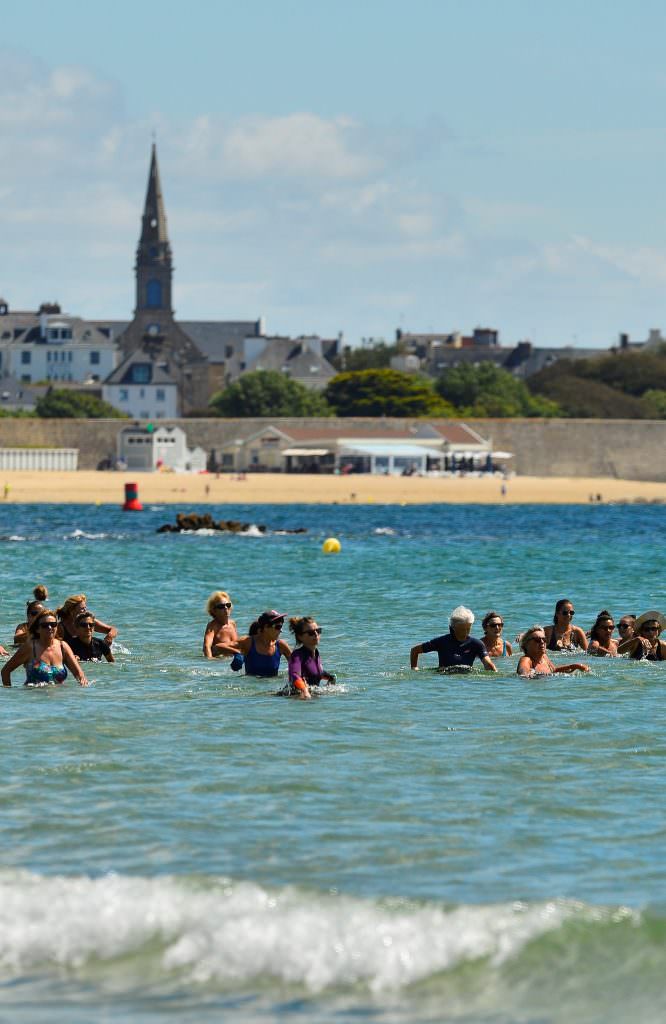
[(627, 449)]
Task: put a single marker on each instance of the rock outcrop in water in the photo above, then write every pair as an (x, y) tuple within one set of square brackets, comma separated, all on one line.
[(190, 522)]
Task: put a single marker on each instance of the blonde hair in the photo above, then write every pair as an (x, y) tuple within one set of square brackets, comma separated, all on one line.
[(527, 636), (215, 598), (40, 592), (69, 604)]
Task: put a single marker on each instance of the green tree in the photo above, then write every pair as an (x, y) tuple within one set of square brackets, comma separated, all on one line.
[(384, 393), (654, 402), (267, 393), (375, 356), (631, 372), (488, 390), (65, 404), (583, 397)]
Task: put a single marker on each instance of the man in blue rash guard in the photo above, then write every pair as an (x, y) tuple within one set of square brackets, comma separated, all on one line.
[(456, 649)]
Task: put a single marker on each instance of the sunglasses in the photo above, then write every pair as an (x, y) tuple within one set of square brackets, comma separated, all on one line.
[(86, 625), (609, 626), (314, 632), (538, 639), (222, 604), (650, 629), (568, 611), (624, 625), (495, 625), (48, 625), (277, 625)]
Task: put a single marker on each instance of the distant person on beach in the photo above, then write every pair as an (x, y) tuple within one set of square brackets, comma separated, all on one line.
[(87, 647), (601, 642), (305, 667), (221, 636), (646, 644), (563, 635), (456, 650), (40, 595), (46, 658), (69, 612), (492, 639), (535, 661), (263, 648)]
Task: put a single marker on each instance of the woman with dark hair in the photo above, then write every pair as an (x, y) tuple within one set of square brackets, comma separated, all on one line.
[(601, 640), (563, 635), (262, 647), (305, 667), (492, 638), (46, 658), (40, 594), (535, 661), (87, 647)]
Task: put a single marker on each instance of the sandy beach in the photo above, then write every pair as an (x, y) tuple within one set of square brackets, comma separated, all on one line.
[(85, 487)]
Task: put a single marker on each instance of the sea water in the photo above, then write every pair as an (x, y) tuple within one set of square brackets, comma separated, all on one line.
[(178, 843)]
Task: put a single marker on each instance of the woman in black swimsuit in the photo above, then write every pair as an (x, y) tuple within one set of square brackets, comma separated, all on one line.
[(646, 643), (563, 635)]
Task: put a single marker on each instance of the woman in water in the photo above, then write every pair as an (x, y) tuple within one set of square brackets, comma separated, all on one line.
[(646, 643), (626, 627), (492, 638), (221, 636), (535, 661), (262, 647), (84, 645), (46, 658), (563, 635), (40, 594), (305, 667), (68, 614), (601, 640)]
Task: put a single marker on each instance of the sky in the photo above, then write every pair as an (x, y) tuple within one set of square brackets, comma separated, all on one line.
[(355, 167)]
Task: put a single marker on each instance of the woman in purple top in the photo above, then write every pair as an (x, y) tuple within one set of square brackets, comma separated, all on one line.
[(305, 667)]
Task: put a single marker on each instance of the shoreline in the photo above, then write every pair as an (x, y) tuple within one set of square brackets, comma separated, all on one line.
[(102, 488)]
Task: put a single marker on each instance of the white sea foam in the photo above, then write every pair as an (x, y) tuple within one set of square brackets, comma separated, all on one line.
[(229, 932), (386, 531), (17, 537), (82, 535)]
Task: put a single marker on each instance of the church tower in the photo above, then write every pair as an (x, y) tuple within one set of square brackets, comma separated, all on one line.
[(154, 266), (153, 341)]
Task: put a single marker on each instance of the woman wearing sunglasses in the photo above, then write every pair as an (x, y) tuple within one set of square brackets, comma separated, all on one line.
[(646, 643), (492, 638), (262, 646), (46, 658), (87, 647), (305, 667), (221, 636), (563, 635), (601, 636), (40, 594)]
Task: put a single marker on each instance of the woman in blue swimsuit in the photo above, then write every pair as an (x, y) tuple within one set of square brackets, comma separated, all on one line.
[(46, 658), (263, 648)]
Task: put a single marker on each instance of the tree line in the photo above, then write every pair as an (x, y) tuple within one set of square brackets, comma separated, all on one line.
[(629, 385)]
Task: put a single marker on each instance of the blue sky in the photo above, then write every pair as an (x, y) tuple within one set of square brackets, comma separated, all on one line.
[(343, 166)]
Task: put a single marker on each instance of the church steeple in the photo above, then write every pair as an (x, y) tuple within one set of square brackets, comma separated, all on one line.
[(154, 265)]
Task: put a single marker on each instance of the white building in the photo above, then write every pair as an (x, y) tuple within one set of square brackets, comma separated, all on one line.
[(143, 387), (164, 448), (53, 346)]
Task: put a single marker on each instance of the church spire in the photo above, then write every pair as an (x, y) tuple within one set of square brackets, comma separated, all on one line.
[(153, 255)]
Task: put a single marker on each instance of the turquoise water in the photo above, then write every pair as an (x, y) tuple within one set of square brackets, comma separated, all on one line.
[(180, 844)]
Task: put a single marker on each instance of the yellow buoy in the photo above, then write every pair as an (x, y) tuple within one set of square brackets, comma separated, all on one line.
[(331, 546)]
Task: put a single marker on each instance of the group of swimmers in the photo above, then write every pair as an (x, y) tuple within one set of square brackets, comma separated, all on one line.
[(52, 643), (639, 639), (259, 652)]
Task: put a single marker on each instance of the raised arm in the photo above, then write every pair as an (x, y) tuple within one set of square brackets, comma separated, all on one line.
[(110, 632)]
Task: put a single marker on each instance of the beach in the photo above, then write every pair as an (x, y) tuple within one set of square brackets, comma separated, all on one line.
[(89, 486)]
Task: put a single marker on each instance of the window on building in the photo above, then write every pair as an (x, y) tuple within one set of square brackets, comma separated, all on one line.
[(26, 357), (123, 395), (141, 373), (154, 294), (69, 357), (160, 395), (229, 351), (26, 377), (94, 358), (227, 460)]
